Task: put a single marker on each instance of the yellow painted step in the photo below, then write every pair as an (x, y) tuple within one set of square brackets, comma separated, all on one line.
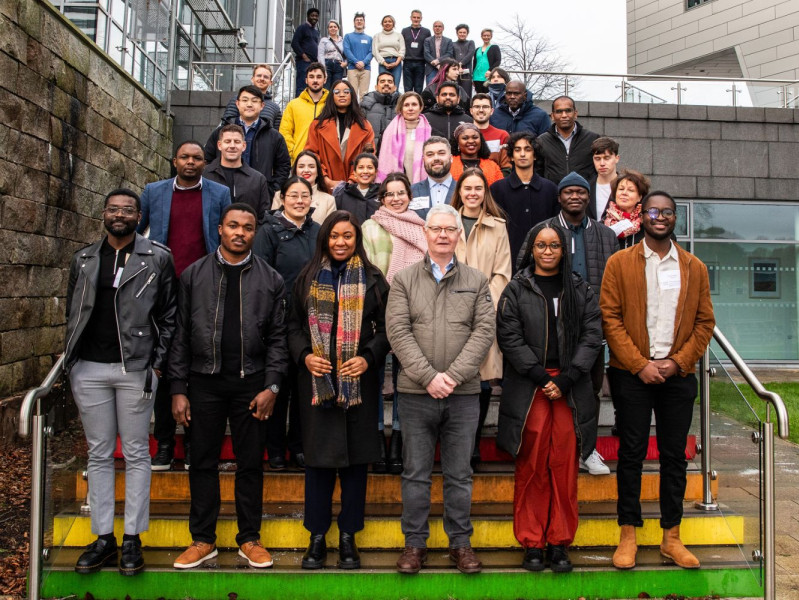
[(71, 530), (488, 487)]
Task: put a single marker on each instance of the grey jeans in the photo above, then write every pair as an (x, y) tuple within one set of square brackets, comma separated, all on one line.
[(111, 402), (425, 420)]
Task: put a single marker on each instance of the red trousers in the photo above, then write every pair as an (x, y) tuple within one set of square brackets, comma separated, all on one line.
[(545, 488)]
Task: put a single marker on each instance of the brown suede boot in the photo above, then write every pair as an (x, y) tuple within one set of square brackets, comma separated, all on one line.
[(624, 557), (671, 547)]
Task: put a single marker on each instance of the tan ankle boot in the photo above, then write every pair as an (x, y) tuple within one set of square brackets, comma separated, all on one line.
[(624, 557), (671, 547)]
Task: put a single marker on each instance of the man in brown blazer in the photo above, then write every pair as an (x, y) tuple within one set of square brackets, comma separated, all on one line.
[(658, 320)]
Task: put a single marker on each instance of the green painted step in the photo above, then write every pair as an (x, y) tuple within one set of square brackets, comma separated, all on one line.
[(493, 527), (723, 572)]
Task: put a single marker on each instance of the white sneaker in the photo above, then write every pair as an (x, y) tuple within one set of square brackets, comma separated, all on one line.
[(594, 465)]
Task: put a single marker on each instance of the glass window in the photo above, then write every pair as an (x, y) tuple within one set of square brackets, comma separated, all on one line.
[(115, 44), (737, 221), (85, 18)]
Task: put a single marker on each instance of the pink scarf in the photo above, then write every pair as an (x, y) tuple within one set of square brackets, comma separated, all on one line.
[(407, 233), (392, 148)]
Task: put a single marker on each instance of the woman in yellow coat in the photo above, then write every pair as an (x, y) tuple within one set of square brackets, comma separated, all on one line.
[(484, 245)]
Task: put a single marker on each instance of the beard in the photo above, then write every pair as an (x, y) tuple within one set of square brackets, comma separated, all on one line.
[(119, 229), (439, 171)]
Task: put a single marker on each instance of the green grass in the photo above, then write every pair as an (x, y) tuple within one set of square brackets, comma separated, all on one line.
[(724, 398)]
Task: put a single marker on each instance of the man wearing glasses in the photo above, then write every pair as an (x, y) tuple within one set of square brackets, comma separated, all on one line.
[(658, 320), (120, 323), (440, 322)]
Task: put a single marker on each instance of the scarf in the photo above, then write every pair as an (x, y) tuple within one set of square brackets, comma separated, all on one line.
[(321, 304), (614, 215), (407, 234), (392, 148)]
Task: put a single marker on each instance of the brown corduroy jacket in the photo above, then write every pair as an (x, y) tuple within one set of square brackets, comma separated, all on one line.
[(623, 303)]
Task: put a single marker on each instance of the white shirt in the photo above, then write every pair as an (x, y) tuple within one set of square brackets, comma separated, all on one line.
[(439, 191), (567, 141), (662, 294), (602, 197)]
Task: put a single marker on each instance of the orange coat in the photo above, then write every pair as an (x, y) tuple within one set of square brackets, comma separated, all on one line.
[(623, 303), (323, 140), (489, 168)]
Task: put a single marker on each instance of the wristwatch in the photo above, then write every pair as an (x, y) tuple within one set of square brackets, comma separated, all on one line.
[(274, 388)]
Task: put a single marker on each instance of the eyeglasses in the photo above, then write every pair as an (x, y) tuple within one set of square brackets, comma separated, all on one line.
[(435, 229), (666, 213), (295, 196), (345, 91), (400, 194), (128, 211), (541, 246)]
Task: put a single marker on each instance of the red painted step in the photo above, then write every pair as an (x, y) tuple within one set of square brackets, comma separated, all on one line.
[(606, 445)]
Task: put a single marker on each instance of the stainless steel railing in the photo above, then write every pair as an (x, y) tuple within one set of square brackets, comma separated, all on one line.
[(32, 423), (773, 402)]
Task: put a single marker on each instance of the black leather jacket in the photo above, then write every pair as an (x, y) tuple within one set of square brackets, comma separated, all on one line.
[(144, 301), (201, 304)]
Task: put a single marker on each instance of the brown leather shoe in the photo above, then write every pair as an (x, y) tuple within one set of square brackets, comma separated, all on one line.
[(195, 555), (624, 556), (256, 555), (672, 547), (411, 560), (465, 559)]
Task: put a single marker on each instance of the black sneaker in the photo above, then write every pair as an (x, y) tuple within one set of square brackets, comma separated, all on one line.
[(533, 559), (98, 554), (277, 463), (132, 561), (186, 456), (162, 461)]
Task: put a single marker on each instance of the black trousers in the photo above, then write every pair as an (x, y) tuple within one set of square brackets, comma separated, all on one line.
[(319, 486), (215, 399), (164, 425), (285, 405), (673, 404), (413, 75)]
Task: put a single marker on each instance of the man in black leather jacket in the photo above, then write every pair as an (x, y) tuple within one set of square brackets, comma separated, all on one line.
[(120, 322), (227, 363)]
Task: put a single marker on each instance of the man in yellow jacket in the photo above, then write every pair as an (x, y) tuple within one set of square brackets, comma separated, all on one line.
[(301, 111)]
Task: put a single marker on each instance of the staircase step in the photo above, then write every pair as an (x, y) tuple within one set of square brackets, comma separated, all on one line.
[(723, 572), (607, 446), (493, 527), (494, 484)]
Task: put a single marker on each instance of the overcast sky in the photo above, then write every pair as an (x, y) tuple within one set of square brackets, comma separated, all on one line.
[(590, 35)]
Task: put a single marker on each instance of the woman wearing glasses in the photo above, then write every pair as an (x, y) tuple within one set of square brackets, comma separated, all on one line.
[(339, 134), (484, 245), (393, 238), (286, 241), (549, 329)]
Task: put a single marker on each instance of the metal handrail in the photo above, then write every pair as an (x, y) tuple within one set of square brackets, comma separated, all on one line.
[(773, 400), (31, 422), (646, 77), (28, 403)]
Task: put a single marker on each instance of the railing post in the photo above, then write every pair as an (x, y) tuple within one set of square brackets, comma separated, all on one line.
[(707, 503), (37, 502), (769, 509), (566, 85)]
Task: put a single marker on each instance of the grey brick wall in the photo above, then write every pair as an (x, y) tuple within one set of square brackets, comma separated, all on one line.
[(197, 114), (73, 126)]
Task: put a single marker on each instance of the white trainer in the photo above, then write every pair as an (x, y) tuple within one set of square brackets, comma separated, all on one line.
[(594, 464)]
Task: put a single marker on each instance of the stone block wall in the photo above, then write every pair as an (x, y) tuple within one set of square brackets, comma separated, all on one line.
[(197, 114), (73, 126)]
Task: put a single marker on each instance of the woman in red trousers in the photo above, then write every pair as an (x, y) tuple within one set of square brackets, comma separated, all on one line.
[(549, 330)]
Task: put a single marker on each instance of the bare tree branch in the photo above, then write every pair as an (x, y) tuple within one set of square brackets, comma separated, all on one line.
[(523, 49)]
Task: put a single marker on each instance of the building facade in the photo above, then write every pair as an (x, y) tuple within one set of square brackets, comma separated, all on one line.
[(751, 39)]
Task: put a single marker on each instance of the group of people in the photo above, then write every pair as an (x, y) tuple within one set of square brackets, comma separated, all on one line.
[(292, 254)]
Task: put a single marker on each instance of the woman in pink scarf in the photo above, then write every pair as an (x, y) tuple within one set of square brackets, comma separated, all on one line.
[(401, 143), (393, 239)]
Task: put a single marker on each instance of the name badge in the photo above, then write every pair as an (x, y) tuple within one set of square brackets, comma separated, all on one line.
[(419, 202), (118, 277), (493, 145), (669, 280), (464, 71), (621, 226), (414, 44), (364, 41)]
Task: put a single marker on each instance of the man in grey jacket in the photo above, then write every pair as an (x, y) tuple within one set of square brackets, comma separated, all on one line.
[(440, 322), (120, 322), (380, 105)]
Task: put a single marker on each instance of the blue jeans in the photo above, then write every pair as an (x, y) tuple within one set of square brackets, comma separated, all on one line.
[(396, 72), (413, 74), (334, 72), (426, 420)]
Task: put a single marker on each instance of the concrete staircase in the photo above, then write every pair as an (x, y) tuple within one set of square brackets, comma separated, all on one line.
[(711, 536)]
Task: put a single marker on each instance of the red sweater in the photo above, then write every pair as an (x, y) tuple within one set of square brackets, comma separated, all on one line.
[(185, 234)]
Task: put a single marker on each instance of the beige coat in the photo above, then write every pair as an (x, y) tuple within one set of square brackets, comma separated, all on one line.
[(488, 251), (322, 203)]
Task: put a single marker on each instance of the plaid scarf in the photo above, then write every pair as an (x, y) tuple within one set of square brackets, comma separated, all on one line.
[(322, 303), (614, 215)]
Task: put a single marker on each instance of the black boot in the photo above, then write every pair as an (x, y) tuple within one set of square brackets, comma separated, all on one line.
[(533, 559), (559, 559), (348, 557), (315, 555), (485, 401), (381, 465), (99, 553), (162, 461), (395, 452)]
